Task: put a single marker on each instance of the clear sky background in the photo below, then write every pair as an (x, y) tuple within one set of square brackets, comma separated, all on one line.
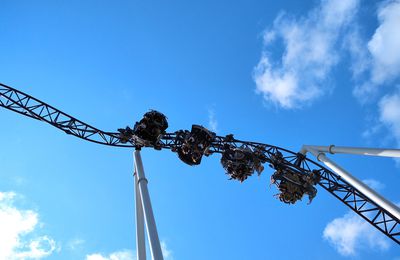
[(286, 73)]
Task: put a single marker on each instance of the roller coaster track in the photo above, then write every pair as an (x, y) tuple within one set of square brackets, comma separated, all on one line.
[(378, 217)]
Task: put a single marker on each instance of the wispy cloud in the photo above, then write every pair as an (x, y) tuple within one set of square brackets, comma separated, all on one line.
[(376, 67), (309, 54), (128, 254), (118, 255), (75, 244), (18, 228), (313, 45), (212, 120), (167, 253), (389, 113), (359, 55), (381, 54), (374, 184), (384, 45), (350, 233)]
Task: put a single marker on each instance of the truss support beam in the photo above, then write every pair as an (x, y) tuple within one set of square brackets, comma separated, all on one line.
[(332, 149), (152, 234), (356, 183)]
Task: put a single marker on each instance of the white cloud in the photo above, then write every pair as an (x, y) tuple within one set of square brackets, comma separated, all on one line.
[(374, 184), (308, 57), (385, 43), (167, 253), (372, 130), (38, 248), (356, 46), (128, 254), (212, 120), (389, 113), (350, 233), (384, 68), (75, 244), (119, 255), (383, 52), (15, 226)]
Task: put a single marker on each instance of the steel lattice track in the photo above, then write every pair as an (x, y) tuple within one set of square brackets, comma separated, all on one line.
[(378, 217), (29, 106)]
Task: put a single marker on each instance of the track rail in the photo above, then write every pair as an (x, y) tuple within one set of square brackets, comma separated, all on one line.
[(378, 217)]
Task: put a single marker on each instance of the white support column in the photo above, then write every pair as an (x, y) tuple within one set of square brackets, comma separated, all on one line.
[(332, 149), (356, 183), (140, 239), (155, 246)]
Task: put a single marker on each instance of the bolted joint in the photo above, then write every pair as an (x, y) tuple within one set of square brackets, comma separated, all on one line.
[(142, 179)]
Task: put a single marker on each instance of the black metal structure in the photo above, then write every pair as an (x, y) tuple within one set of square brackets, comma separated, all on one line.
[(280, 159)]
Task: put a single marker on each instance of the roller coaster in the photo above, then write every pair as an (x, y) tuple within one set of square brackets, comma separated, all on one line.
[(294, 174)]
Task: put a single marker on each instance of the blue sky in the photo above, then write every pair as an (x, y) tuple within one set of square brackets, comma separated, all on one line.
[(287, 73)]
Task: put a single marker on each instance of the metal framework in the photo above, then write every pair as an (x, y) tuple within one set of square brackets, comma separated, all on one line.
[(371, 206), (365, 206)]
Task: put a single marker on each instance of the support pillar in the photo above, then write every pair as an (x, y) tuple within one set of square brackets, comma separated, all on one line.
[(152, 235)]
